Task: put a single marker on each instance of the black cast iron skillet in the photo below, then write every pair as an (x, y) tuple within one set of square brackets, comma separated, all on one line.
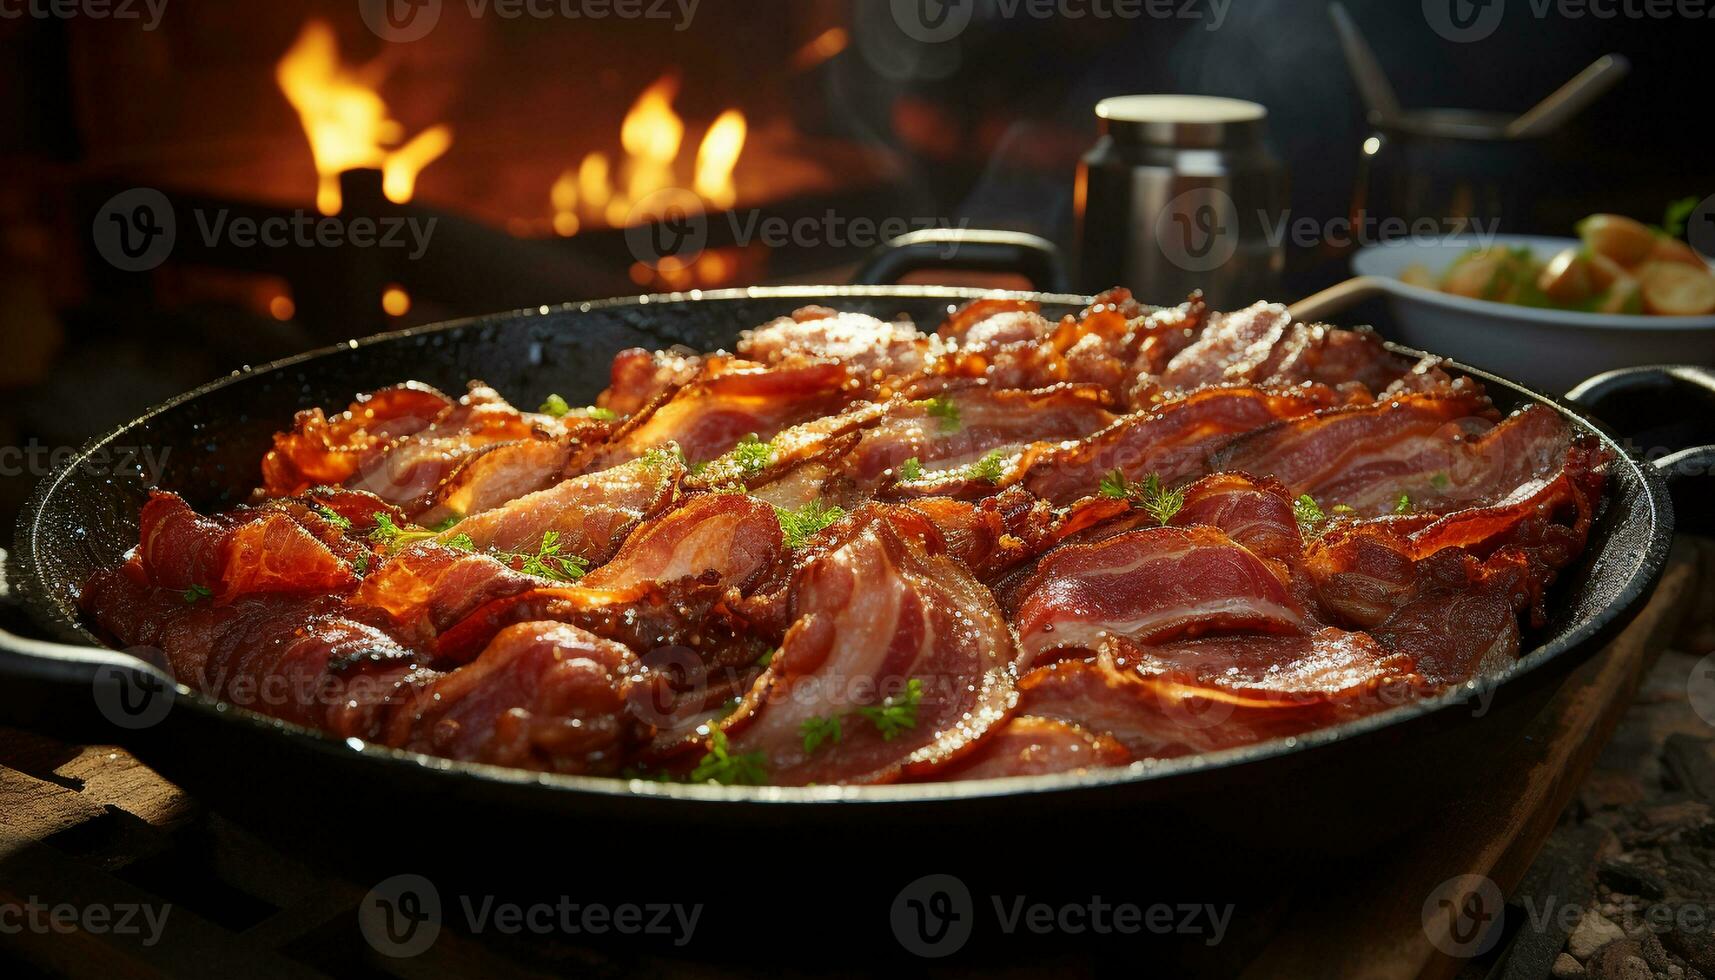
[(1328, 792)]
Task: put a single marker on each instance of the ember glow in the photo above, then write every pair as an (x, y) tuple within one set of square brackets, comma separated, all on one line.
[(347, 121)]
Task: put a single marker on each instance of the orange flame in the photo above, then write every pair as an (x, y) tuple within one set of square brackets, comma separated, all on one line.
[(717, 158), (347, 122)]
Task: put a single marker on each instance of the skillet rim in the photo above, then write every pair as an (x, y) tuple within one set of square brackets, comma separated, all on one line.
[(51, 614)]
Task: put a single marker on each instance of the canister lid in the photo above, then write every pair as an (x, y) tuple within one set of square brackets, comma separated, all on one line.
[(1195, 121)]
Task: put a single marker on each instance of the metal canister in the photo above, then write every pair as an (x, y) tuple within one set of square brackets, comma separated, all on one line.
[(1182, 193)]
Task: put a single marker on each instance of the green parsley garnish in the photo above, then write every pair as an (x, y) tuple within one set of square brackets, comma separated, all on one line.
[(991, 467), (911, 470), (895, 714), (720, 765), (331, 516), (800, 525), (819, 730), (1440, 481), (361, 565), (943, 408), (1151, 496), (766, 659), (1308, 512), (196, 593), (556, 406), (602, 414), (1403, 504), (547, 562), (662, 456), (752, 455), (388, 533), (447, 525), (460, 542), (1342, 509)]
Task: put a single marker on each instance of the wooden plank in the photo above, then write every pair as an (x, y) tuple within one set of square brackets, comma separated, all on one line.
[(1373, 926)]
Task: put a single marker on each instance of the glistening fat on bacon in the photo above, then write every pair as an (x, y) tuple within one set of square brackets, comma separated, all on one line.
[(860, 550)]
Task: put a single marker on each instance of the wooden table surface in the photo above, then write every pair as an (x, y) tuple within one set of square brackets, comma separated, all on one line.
[(90, 824)]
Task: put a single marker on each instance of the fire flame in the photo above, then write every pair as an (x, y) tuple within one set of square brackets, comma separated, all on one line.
[(347, 122), (653, 136)]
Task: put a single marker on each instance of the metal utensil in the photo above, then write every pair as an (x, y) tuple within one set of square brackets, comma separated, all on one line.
[(1572, 98), (1373, 84)]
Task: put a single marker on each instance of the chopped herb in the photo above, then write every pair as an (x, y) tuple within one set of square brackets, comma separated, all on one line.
[(460, 542), (1308, 512), (1440, 481), (819, 730), (991, 467), (447, 525), (943, 408), (1151, 496), (895, 714), (1342, 509), (1115, 487), (662, 456), (728, 706), (766, 658), (548, 563), (556, 406), (361, 565), (602, 414), (911, 470), (1403, 504), (388, 533), (800, 525), (752, 455), (197, 592), (331, 516), (720, 765), (1159, 502)]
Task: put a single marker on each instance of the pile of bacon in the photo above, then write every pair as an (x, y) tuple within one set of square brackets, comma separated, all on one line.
[(853, 552)]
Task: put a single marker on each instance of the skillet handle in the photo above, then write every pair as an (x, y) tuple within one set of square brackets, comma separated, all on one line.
[(973, 250), (79, 694), (1659, 411)]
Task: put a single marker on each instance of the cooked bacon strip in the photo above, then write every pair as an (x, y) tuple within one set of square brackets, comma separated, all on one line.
[(1365, 456), (1222, 692), (542, 696), (882, 608), (251, 550), (592, 514), (873, 351), (1031, 746), (1171, 442), (639, 377), (733, 536), (991, 536), (1149, 585), (728, 400), (427, 589), (821, 441), (322, 451), (494, 475), (306, 660)]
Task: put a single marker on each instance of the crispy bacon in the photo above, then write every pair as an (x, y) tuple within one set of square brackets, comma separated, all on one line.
[(543, 696), (882, 609), (407, 575), (1172, 442), (1147, 586), (1031, 746)]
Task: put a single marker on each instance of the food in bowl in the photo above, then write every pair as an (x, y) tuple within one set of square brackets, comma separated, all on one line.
[(853, 551), (1622, 266)]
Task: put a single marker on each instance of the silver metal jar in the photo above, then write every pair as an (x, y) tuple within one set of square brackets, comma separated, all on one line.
[(1182, 193)]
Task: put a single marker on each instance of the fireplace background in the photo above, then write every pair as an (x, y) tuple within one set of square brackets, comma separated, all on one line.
[(847, 116)]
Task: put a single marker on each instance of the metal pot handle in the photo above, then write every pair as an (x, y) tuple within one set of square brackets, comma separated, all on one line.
[(976, 250), (82, 694), (1660, 410)]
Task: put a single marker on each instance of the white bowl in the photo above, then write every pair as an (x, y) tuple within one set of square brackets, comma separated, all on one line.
[(1550, 350)]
